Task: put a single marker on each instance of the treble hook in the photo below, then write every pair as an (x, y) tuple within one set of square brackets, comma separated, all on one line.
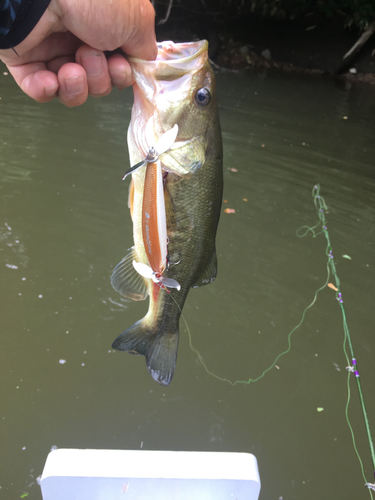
[(171, 262), (164, 143)]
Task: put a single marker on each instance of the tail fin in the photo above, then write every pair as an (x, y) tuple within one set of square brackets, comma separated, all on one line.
[(159, 348)]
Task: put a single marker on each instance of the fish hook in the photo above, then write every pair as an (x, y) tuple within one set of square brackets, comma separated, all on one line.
[(171, 262), (146, 271), (164, 143)]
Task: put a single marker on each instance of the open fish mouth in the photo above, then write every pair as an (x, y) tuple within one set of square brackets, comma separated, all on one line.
[(161, 88), (175, 54), (169, 77)]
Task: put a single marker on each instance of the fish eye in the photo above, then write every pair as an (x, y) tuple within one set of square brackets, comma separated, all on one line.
[(203, 96)]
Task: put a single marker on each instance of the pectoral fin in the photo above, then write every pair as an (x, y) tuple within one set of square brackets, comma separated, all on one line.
[(126, 281), (185, 157), (209, 273)]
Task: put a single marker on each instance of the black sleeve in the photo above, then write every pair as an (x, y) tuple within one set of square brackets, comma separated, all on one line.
[(17, 20)]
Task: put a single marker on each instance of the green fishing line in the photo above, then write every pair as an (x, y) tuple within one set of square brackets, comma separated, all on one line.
[(320, 206), (303, 231), (250, 380), (319, 228)]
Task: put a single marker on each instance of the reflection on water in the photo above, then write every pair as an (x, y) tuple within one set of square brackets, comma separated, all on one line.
[(63, 230)]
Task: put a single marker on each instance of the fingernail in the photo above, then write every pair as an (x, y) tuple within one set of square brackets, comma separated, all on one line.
[(51, 91), (75, 85), (93, 64), (121, 77)]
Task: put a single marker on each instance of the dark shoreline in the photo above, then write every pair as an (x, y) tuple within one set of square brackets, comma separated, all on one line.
[(309, 46)]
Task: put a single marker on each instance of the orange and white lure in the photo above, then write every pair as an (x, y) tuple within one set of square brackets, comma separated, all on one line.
[(154, 223)]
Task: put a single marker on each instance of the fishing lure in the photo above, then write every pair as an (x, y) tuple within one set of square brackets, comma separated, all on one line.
[(154, 223)]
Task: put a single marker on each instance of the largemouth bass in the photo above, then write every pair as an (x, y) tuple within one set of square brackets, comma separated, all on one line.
[(175, 150)]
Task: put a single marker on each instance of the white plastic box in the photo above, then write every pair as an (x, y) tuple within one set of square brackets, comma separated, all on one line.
[(153, 475)]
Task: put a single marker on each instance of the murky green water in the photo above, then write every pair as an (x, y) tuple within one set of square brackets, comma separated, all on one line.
[(64, 224)]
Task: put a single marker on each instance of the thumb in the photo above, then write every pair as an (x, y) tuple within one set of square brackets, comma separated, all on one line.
[(142, 40)]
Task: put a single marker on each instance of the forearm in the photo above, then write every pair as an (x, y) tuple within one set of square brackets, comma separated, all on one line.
[(18, 18)]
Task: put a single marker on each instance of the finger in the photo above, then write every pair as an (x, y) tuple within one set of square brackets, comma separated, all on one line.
[(57, 63), (143, 48), (127, 24), (51, 47), (95, 64), (73, 90), (36, 81), (142, 42), (120, 71)]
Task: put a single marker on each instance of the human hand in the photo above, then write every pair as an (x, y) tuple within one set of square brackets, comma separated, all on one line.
[(64, 54)]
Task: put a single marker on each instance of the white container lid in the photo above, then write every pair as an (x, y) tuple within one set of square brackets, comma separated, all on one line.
[(101, 474)]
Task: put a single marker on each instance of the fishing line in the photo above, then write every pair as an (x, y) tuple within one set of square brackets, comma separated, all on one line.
[(250, 380), (320, 206), (319, 228), (300, 233)]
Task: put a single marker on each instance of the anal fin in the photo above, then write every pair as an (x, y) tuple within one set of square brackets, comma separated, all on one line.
[(209, 273), (126, 281)]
